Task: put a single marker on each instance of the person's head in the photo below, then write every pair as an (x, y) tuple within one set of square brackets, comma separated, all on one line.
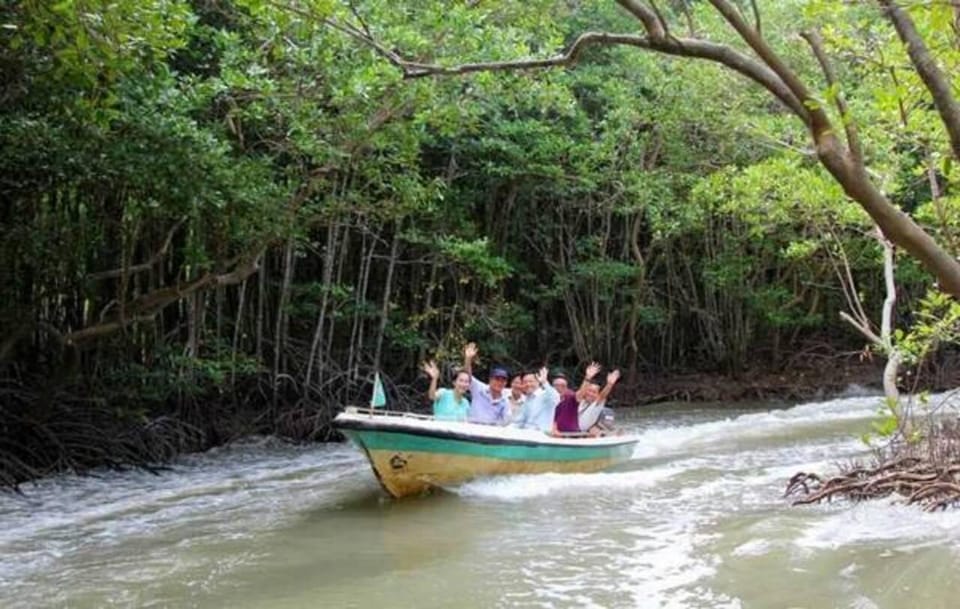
[(560, 383), (530, 383), (497, 379), (591, 392), (461, 381), (516, 385)]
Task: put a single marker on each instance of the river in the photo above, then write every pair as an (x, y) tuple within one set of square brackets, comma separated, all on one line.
[(695, 519)]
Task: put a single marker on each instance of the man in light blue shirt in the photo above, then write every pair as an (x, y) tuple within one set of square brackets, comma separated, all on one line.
[(488, 401), (540, 403)]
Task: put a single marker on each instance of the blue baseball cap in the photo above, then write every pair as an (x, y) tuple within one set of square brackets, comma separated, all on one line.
[(499, 373)]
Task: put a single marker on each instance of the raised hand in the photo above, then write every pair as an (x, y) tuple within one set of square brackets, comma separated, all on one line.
[(542, 375), (592, 369), (431, 369), (470, 351), (613, 377)]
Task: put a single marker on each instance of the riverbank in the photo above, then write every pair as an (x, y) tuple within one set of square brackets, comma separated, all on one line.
[(804, 383), (814, 379)]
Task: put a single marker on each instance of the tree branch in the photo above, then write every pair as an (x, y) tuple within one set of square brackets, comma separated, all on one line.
[(756, 16), (768, 70), (814, 116), (646, 16), (566, 58), (850, 128), (935, 80), (689, 18), (862, 328), (663, 22), (149, 305), (143, 266)]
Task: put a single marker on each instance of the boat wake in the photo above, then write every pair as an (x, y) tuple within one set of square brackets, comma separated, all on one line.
[(522, 487)]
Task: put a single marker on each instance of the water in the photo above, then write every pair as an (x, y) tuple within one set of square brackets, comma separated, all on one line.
[(696, 519)]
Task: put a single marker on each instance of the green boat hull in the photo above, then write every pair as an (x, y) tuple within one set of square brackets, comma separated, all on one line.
[(411, 456)]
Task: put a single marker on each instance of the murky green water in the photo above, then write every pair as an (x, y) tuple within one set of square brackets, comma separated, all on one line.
[(694, 520)]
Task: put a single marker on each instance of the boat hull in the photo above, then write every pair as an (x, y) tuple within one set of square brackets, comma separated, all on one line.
[(410, 456)]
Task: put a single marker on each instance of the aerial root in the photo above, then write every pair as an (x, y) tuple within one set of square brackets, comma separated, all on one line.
[(932, 486)]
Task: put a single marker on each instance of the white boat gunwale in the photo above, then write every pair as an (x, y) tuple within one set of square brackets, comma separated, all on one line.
[(418, 424)]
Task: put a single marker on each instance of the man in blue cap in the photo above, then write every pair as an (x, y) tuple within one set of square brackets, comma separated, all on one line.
[(488, 403)]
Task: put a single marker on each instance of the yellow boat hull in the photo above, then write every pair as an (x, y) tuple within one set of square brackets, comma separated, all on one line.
[(411, 455)]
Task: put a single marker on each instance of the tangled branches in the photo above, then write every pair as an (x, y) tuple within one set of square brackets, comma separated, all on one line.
[(48, 430), (925, 472), (44, 434)]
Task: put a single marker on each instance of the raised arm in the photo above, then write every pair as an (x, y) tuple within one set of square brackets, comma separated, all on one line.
[(543, 380), (592, 369), (612, 379), (434, 373), (469, 354)]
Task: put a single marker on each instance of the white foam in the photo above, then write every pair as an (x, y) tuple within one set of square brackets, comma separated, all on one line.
[(521, 487), (754, 547), (671, 440), (879, 521)]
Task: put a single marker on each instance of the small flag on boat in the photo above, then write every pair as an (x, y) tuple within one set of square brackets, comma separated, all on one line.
[(379, 398)]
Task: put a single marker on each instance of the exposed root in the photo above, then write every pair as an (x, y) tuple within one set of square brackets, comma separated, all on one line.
[(925, 473), (44, 432)]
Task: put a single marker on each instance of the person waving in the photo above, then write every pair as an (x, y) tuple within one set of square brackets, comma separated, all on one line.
[(448, 404)]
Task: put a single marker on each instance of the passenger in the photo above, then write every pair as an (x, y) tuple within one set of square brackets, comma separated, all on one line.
[(540, 403), (448, 404), (566, 417), (488, 403), (593, 402), (560, 384), (516, 396)]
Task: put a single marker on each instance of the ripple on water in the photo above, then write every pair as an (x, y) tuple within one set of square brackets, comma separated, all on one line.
[(117, 530), (694, 520)]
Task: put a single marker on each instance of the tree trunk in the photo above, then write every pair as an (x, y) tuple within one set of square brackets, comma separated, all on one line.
[(328, 257), (280, 327), (261, 306), (385, 305)]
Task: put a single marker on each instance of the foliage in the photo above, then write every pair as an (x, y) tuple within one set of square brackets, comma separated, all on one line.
[(229, 191)]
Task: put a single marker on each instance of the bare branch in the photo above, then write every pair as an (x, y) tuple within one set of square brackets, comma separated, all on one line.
[(862, 328), (683, 47), (646, 16), (935, 80), (663, 22), (149, 305), (689, 18), (815, 40), (566, 58), (360, 20), (143, 266), (756, 16), (890, 301), (814, 116)]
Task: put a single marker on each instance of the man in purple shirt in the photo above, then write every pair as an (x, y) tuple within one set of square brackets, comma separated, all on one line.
[(565, 417), (578, 413), (488, 401)]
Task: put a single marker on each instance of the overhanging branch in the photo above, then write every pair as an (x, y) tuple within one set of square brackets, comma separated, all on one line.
[(149, 305), (926, 66), (815, 40)]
